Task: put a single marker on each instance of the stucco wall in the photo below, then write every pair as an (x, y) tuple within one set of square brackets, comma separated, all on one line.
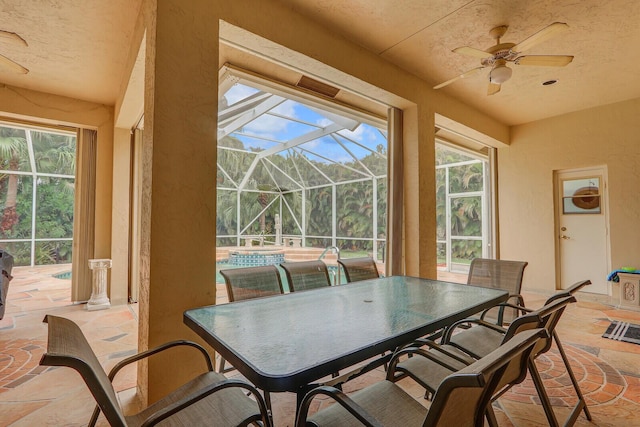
[(608, 135), (180, 111)]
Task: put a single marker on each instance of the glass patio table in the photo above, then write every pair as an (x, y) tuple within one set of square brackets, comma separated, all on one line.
[(286, 342)]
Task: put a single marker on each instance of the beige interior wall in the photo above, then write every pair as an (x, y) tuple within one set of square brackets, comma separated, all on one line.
[(180, 111), (605, 135), (119, 283)]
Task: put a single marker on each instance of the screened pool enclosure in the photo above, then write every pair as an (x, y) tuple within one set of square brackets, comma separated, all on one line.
[(299, 171), (37, 188)]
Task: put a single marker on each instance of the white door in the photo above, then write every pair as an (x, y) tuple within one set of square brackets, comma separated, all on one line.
[(582, 228)]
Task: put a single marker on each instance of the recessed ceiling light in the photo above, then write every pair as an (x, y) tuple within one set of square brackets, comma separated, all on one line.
[(549, 82)]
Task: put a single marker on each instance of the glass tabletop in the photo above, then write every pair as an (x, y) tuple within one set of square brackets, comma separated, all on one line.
[(284, 342)]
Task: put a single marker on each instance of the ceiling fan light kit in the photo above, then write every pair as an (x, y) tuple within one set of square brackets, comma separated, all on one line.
[(500, 54), (500, 73)]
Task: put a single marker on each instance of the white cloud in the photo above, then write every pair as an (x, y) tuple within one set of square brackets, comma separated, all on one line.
[(238, 92), (268, 126), (361, 134), (324, 122)]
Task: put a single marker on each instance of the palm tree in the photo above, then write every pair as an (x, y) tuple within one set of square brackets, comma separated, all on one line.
[(13, 147)]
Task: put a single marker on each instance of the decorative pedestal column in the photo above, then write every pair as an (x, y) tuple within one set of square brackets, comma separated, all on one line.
[(99, 299)]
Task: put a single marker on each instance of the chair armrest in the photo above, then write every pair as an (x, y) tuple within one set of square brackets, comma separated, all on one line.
[(435, 346), (446, 337), (128, 360), (348, 376), (342, 399), (181, 404), (518, 306), (158, 349), (391, 370)]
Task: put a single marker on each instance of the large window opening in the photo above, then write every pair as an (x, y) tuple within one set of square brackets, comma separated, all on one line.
[(296, 172), (462, 207), (37, 177)]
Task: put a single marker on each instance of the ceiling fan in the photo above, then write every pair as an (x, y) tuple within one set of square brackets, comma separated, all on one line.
[(500, 54), (6, 62)]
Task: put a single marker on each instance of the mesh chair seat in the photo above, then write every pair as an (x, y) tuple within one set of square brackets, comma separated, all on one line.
[(305, 275), (356, 269), (210, 398)]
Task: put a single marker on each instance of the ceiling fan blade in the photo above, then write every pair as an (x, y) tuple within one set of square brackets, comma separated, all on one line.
[(7, 63), (493, 89), (544, 60), (540, 36), (472, 51), (13, 36), (461, 76)]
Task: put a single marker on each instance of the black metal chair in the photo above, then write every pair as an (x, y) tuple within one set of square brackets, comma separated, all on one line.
[(499, 274), (356, 269), (210, 398), (305, 275), (461, 399)]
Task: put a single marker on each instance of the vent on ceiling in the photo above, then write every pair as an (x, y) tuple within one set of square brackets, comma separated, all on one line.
[(317, 87)]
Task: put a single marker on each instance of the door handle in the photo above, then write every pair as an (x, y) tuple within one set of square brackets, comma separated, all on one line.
[(565, 237)]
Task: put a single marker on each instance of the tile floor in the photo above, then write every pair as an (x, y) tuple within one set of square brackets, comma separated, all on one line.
[(608, 371)]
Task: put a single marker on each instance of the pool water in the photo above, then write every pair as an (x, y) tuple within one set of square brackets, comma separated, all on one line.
[(64, 276)]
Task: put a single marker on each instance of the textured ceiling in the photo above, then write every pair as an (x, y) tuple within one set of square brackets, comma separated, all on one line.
[(76, 48), (419, 36), (79, 48)]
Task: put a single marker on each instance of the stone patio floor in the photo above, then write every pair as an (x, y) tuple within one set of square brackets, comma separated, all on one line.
[(30, 395)]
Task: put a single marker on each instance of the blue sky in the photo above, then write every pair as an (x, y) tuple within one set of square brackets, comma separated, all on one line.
[(276, 128)]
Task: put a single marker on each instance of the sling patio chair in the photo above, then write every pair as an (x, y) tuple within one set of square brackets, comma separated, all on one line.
[(461, 399), (356, 269), (210, 398), (305, 275), (248, 283), (252, 282), (581, 404), (499, 274), (458, 349)]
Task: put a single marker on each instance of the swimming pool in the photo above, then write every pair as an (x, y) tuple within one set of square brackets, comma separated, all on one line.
[(64, 276)]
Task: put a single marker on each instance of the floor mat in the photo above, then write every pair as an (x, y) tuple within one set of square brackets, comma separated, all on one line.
[(623, 331)]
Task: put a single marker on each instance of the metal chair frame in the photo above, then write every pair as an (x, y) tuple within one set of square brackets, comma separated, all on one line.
[(450, 406), (208, 395)]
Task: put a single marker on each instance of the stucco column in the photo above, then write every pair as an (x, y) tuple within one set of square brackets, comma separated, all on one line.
[(99, 299), (178, 201)]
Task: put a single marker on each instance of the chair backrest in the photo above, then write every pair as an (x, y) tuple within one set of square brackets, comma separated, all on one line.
[(356, 269), (497, 273), (252, 282), (462, 398), (67, 346), (304, 275)]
